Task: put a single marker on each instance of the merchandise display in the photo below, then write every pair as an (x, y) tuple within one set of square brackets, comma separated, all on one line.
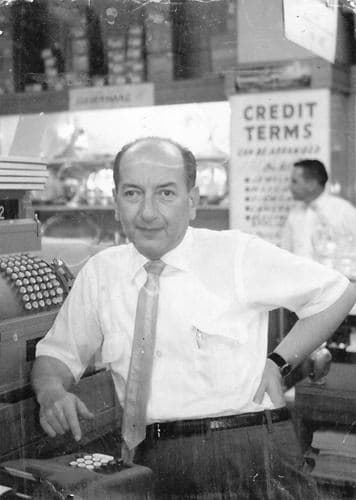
[(78, 76), (75, 44), (76, 182), (6, 53), (116, 60), (159, 42), (91, 183), (212, 180)]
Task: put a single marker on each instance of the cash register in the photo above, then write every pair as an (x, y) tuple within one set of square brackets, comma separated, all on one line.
[(32, 290)]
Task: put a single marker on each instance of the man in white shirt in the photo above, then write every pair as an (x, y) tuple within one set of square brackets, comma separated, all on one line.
[(217, 426), (319, 222)]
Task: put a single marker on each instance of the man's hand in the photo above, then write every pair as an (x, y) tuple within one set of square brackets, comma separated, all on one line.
[(272, 384), (60, 411)]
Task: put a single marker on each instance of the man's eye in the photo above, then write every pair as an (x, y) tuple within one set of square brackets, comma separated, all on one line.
[(131, 193), (167, 193)]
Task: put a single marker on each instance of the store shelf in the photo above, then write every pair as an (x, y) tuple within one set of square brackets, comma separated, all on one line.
[(75, 208), (34, 102), (110, 207), (174, 92), (212, 217), (195, 90)]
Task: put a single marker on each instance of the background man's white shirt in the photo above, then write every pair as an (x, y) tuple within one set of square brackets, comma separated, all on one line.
[(305, 220)]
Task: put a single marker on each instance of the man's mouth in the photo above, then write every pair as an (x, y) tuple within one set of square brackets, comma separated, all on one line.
[(149, 229)]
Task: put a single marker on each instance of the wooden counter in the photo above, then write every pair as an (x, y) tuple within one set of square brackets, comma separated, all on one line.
[(331, 406), (333, 402)]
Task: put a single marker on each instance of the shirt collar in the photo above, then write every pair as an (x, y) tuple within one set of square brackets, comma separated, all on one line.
[(178, 257), (315, 204)]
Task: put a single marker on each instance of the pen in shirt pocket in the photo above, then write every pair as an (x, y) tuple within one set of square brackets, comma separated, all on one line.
[(198, 336)]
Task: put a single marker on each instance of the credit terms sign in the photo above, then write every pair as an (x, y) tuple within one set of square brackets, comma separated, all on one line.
[(269, 132)]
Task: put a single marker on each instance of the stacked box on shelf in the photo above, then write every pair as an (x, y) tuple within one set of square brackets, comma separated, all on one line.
[(159, 42), (53, 64), (116, 48), (6, 59), (22, 174), (6, 53), (114, 21), (123, 35), (125, 55), (135, 62), (78, 75)]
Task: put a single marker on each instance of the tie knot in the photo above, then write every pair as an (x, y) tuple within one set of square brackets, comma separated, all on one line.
[(154, 267)]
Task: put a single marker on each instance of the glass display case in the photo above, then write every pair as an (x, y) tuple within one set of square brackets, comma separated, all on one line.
[(80, 147)]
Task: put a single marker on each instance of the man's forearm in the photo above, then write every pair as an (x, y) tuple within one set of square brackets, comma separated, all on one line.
[(309, 333), (50, 375)]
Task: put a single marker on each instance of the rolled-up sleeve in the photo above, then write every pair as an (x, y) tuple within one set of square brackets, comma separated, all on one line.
[(76, 334), (274, 278)]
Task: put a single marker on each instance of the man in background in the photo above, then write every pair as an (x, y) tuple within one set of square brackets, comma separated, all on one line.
[(318, 218)]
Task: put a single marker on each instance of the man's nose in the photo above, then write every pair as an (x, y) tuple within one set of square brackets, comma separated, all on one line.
[(148, 208)]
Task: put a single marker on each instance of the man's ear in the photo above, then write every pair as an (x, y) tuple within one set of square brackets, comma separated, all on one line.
[(116, 209), (194, 197)]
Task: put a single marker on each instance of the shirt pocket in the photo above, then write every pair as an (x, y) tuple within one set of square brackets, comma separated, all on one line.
[(112, 348), (217, 354)]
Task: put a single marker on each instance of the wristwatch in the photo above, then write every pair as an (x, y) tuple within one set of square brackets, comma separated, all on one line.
[(284, 367)]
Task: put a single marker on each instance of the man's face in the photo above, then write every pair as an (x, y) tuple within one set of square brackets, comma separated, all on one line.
[(153, 201), (299, 186)]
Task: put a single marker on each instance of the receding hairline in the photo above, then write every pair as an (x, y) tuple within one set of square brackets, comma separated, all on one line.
[(167, 145)]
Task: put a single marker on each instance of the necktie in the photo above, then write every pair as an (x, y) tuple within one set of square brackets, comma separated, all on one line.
[(139, 377)]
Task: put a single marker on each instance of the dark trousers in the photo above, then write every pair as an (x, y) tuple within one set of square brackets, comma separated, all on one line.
[(254, 463)]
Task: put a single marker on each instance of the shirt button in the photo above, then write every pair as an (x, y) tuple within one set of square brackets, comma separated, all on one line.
[(158, 354)]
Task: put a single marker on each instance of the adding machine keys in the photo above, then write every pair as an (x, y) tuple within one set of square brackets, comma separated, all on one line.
[(28, 284)]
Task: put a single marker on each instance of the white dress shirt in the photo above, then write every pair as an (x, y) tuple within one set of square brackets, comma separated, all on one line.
[(300, 233), (215, 294)]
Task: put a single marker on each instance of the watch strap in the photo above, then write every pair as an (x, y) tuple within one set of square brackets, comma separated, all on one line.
[(283, 365)]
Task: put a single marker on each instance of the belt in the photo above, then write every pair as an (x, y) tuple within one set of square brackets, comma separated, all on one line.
[(171, 430)]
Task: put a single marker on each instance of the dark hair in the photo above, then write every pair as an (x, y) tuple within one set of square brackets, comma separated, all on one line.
[(189, 161), (313, 169)]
